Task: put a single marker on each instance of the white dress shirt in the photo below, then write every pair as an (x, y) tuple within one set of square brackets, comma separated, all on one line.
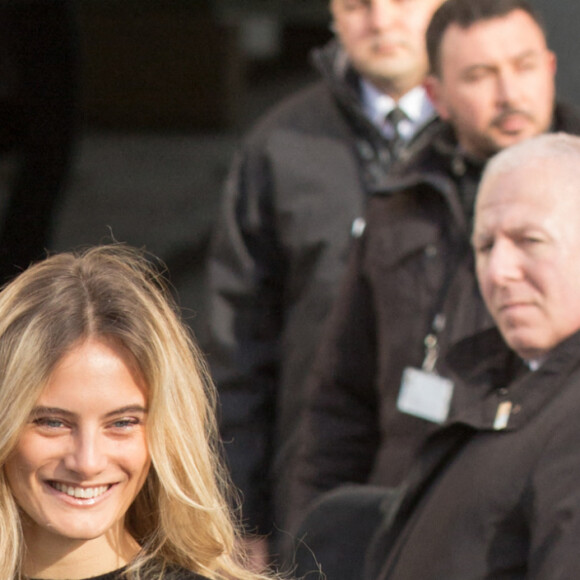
[(415, 104)]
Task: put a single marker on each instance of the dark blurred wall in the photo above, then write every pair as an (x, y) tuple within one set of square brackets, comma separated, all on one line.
[(158, 64), (169, 64), (562, 18)]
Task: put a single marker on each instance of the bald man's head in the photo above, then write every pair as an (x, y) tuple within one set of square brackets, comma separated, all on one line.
[(527, 242)]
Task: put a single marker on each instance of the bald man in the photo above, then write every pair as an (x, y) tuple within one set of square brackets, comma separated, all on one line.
[(494, 493)]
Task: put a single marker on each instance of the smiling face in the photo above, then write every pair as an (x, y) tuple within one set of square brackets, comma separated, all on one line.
[(385, 40), (496, 82), (527, 245), (82, 457)]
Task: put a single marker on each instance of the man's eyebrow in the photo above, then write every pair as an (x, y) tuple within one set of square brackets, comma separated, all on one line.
[(526, 54), (480, 66), (529, 53)]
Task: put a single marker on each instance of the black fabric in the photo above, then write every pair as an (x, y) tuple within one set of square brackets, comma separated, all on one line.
[(173, 574), (333, 540), (416, 241), (487, 503)]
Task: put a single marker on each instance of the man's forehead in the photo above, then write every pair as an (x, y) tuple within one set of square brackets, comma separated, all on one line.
[(538, 188), (427, 5), (509, 36)]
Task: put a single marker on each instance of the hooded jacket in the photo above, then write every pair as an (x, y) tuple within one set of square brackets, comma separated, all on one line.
[(301, 178)]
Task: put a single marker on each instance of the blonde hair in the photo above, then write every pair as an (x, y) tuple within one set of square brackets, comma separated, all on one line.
[(181, 516)]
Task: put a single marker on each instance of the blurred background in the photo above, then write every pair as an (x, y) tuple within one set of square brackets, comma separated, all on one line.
[(118, 118)]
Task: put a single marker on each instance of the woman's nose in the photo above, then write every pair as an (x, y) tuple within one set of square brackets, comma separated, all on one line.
[(87, 455)]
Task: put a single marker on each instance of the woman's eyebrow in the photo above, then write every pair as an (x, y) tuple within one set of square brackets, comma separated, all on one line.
[(42, 410), (127, 409)]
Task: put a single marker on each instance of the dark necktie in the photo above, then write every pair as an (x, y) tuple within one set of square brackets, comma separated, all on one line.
[(395, 117)]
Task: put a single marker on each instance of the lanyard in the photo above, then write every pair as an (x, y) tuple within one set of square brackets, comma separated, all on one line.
[(439, 320), (431, 342)]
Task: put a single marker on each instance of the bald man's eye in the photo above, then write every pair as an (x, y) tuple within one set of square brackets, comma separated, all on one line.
[(355, 4), (531, 241), (483, 247)]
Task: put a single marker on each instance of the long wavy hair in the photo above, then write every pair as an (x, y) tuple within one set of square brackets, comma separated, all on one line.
[(181, 517)]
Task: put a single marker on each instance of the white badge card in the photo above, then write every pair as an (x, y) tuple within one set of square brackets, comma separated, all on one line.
[(425, 395)]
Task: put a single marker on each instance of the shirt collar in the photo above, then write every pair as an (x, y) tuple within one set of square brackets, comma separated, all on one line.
[(415, 104), (534, 364)]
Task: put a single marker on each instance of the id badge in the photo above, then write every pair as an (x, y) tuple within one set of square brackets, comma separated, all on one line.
[(425, 395)]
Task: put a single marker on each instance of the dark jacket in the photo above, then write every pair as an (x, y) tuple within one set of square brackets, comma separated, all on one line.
[(487, 503), (280, 246), (412, 262)]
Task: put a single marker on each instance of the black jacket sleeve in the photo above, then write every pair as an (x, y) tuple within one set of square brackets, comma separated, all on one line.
[(340, 430), (244, 290)]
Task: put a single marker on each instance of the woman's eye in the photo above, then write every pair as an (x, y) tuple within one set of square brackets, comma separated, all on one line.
[(126, 423), (49, 422)]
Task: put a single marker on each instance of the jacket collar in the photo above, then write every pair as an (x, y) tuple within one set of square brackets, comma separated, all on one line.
[(371, 146), (435, 152), (487, 373), (434, 164), (343, 82), (434, 159)]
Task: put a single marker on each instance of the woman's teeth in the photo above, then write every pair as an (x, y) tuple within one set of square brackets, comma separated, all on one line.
[(80, 492)]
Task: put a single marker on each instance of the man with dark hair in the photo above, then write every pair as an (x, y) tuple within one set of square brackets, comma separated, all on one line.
[(494, 492), (464, 15), (488, 119), (300, 180), (410, 289)]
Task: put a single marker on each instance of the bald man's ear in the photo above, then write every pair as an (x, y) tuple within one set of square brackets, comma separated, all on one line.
[(434, 88), (553, 60)]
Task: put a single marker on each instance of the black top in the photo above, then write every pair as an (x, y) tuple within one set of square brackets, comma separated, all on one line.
[(172, 574)]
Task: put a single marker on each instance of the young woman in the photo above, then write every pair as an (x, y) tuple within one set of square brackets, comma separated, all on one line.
[(108, 444)]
